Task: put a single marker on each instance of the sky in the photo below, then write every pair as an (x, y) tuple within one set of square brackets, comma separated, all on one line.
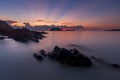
[(89, 13)]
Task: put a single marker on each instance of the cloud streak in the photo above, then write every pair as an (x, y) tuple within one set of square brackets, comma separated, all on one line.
[(46, 21), (11, 21), (68, 23)]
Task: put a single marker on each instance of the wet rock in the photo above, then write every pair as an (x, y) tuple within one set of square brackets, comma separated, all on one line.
[(98, 60), (2, 38), (42, 52), (38, 57), (115, 65), (71, 58)]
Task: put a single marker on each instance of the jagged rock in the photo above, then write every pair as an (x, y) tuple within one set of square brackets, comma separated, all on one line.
[(5, 29), (42, 52), (23, 35), (38, 57), (71, 58)]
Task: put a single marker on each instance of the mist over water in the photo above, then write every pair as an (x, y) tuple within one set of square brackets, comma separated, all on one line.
[(17, 61)]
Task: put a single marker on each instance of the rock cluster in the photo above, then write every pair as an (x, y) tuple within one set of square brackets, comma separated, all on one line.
[(23, 35), (68, 57)]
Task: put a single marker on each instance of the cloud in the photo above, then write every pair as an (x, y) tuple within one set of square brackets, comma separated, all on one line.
[(40, 21), (46, 21), (11, 21), (3, 18), (68, 23)]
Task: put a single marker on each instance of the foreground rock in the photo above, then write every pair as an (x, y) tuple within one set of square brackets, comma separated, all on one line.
[(43, 53), (37, 56), (70, 57), (23, 35)]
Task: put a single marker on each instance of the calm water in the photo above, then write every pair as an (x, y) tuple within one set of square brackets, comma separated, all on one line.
[(17, 62)]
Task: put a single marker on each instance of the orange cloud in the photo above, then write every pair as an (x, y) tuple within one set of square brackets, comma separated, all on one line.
[(40, 21), (46, 21), (11, 21), (68, 23)]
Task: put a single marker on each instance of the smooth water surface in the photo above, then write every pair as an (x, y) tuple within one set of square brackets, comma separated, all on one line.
[(17, 61)]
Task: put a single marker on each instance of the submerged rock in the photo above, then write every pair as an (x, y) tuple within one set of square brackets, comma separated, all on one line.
[(115, 65), (38, 57), (2, 37), (42, 52), (71, 58)]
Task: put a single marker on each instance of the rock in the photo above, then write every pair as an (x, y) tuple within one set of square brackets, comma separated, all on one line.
[(2, 37), (22, 35), (98, 59), (71, 58), (44, 32), (25, 35), (5, 29), (38, 57), (115, 65), (42, 52), (55, 29)]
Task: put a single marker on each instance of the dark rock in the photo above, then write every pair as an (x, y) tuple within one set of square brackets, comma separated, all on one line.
[(38, 57), (113, 30), (98, 59), (44, 32), (2, 37), (55, 29), (72, 57), (5, 29), (23, 35), (42, 52), (115, 65)]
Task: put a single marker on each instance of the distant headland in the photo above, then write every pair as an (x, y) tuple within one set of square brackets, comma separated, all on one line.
[(113, 30)]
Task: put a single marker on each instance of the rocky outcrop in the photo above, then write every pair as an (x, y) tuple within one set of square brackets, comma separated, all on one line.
[(5, 29), (101, 62), (55, 29), (23, 35), (113, 30), (70, 57)]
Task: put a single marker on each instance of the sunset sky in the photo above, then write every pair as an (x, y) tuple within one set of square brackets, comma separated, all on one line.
[(89, 13)]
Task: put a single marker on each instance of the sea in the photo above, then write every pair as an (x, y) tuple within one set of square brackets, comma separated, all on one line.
[(17, 61)]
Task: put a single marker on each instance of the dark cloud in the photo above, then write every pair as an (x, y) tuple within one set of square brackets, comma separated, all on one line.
[(46, 21), (40, 21), (11, 21)]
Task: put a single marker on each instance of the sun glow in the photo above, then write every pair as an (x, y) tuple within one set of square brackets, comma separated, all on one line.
[(58, 12)]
